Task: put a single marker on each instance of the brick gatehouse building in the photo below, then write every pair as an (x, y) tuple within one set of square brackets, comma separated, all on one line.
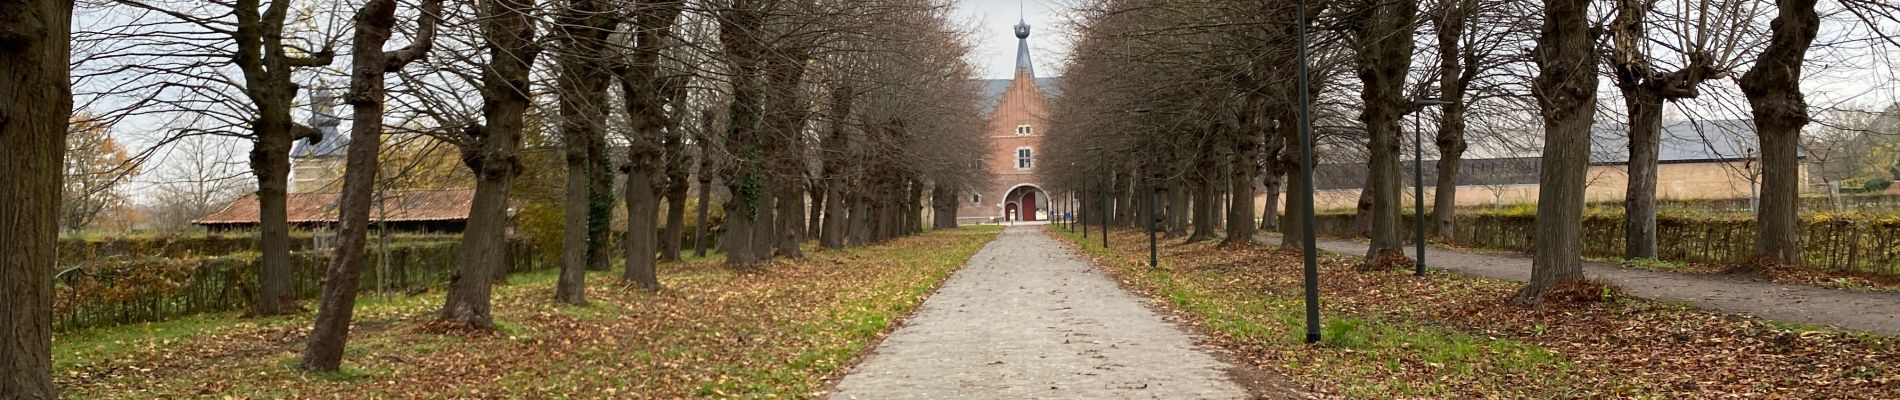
[(1016, 116)]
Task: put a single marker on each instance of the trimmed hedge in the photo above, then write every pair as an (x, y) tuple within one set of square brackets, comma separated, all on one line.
[(1841, 242), (117, 290), (74, 251)]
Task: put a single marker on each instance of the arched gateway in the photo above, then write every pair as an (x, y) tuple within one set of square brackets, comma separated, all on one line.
[(1026, 203)]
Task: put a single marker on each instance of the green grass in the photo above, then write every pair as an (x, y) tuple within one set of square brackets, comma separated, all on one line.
[(714, 332), (1368, 355)]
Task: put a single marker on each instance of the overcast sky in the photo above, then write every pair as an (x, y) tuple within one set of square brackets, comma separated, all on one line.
[(996, 44)]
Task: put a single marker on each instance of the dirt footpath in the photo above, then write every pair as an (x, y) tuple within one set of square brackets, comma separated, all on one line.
[(1028, 319), (1860, 310)]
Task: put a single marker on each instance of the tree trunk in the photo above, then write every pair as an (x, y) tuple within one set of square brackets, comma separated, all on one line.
[(35, 101), (1385, 52), (270, 163), (765, 228), (1244, 165), (1773, 88), (860, 219), (1203, 205), (945, 202), (492, 155), (1292, 225), (1457, 66), (672, 240), (1178, 209), (1362, 212), (835, 223), (373, 21), (816, 211), (1565, 86), (675, 160), (484, 247), (643, 212), (600, 202), (791, 210), (1270, 213), (262, 58), (914, 216), (649, 139), (1639, 201), (581, 83), (704, 208)]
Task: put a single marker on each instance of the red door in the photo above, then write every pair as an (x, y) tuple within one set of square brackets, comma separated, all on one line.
[(1029, 206)]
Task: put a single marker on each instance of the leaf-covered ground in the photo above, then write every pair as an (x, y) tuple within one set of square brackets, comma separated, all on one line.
[(1390, 334), (780, 332)]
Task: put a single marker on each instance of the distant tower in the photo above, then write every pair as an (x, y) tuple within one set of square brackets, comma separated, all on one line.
[(317, 165), (1017, 121), (1023, 63)]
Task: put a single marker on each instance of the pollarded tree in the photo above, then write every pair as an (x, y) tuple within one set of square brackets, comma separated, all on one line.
[(582, 27), (646, 92), (1565, 89), (1707, 40), (1773, 87), (491, 150), (369, 64), (1382, 33)]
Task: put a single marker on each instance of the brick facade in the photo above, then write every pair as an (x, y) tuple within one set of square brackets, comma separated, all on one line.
[(1016, 125)]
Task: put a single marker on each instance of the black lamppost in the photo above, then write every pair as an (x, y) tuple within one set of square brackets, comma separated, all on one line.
[(1418, 179), (1311, 244), (1103, 195)]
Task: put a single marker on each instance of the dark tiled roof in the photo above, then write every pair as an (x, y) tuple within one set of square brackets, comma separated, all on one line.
[(1476, 172), (993, 90), (1683, 141), (408, 205)]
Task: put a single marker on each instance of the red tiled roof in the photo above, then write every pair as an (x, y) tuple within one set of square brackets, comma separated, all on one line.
[(408, 205)]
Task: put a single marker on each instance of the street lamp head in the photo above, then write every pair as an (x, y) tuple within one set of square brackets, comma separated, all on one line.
[(1420, 104)]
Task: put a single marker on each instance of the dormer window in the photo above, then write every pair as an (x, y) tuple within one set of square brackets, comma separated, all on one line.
[(1024, 130), (1025, 158), (976, 199)]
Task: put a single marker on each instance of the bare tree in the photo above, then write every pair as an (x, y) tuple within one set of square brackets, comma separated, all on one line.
[(582, 27), (196, 181), (1710, 39), (492, 153), (1565, 88), (1773, 88), (267, 57), (646, 95), (369, 64), (1382, 36)]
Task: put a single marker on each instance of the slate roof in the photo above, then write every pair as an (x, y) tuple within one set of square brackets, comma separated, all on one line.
[(993, 90), (324, 120), (406, 205), (1683, 141), (1474, 172)]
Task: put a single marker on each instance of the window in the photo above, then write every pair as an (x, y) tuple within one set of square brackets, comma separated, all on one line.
[(976, 199), (1025, 130), (1025, 158)]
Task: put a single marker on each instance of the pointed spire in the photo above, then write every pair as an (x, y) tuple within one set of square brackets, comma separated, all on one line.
[(1023, 62)]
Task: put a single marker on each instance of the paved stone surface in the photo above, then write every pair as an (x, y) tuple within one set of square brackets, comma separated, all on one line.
[(1860, 310), (1028, 319)]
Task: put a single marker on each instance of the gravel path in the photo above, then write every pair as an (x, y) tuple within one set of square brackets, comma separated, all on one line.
[(1028, 319), (1860, 310)]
